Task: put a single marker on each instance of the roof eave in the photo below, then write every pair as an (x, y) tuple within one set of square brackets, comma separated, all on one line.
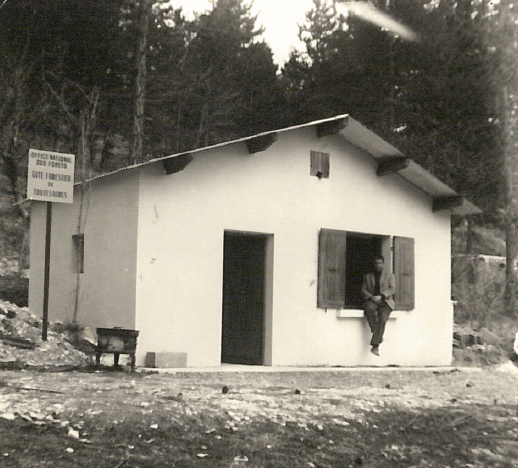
[(361, 137), (358, 135), (466, 209)]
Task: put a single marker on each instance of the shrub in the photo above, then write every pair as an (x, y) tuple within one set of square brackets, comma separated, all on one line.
[(478, 291), (15, 289)]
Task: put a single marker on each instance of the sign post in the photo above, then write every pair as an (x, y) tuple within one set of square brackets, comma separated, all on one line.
[(50, 179)]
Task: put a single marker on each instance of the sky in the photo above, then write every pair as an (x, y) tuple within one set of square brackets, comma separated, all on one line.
[(280, 19)]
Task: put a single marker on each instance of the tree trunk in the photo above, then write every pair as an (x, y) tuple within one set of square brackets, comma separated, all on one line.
[(136, 152), (469, 235), (511, 228), (510, 177), (511, 284)]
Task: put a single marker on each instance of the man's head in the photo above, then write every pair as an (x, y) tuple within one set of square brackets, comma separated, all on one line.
[(379, 263)]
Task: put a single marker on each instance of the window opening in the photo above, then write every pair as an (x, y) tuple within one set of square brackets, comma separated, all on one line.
[(360, 250), (344, 257)]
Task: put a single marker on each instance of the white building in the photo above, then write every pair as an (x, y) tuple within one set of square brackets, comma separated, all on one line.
[(252, 251)]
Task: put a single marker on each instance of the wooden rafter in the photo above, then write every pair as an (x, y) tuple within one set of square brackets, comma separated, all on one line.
[(445, 203), (331, 128), (177, 163), (391, 166), (261, 143)]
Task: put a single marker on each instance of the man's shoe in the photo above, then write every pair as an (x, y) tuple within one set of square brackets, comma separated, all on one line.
[(375, 350)]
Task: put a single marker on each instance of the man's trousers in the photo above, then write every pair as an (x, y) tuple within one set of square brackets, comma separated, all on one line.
[(377, 316)]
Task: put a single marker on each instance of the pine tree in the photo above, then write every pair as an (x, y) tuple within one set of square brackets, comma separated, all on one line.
[(210, 80)]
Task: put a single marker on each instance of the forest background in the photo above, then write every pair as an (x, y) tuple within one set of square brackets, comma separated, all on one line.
[(125, 81)]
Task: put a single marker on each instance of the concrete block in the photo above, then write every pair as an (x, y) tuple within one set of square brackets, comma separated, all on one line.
[(163, 360)]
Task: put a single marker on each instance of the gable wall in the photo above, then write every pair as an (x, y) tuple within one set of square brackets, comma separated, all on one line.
[(107, 286), (182, 219)]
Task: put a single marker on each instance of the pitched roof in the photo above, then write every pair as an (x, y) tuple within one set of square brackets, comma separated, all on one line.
[(391, 160)]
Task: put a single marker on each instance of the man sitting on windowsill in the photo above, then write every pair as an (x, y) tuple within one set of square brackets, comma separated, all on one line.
[(378, 290)]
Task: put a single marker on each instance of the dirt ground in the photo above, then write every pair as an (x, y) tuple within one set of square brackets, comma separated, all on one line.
[(330, 418)]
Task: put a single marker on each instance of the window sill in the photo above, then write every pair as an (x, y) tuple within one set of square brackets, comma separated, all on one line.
[(358, 313)]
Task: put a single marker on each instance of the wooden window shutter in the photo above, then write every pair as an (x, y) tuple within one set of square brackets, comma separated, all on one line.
[(404, 273), (331, 269)]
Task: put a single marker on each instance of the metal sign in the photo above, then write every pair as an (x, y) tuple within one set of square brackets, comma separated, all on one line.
[(50, 176)]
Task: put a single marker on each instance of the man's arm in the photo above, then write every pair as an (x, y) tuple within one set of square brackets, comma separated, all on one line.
[(389, 286), (367, 295), (365, 289)]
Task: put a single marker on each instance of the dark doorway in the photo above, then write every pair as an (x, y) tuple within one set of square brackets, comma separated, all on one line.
[(360, 252), (244, 261)]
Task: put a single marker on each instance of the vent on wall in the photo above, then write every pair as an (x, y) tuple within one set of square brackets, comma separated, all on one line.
[(319, 164)]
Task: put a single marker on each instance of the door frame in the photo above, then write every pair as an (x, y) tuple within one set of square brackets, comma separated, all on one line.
[(267, 312)]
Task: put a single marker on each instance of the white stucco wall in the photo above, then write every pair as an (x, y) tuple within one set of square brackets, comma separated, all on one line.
[(107, 286), (181, 223)]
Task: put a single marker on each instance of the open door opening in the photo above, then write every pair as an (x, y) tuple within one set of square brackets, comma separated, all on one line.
[(244, 298)]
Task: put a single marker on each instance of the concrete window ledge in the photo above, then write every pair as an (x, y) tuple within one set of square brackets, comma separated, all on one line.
[(357, 313)]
